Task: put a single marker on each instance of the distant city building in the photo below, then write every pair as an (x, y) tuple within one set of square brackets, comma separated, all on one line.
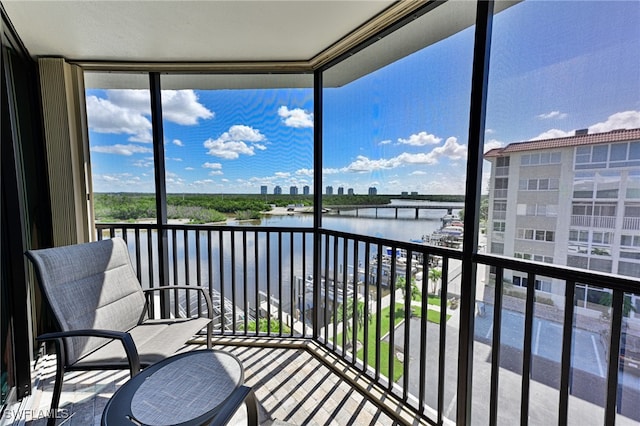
[(293, 190), (350, 191), (373, 190), (329, 190), (277, 190), (340, 190), (404, 193), (414, 192), (571, 201), (305, 190), (263, 189)]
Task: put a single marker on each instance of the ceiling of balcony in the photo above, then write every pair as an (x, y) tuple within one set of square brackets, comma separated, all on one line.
[(187, 31)]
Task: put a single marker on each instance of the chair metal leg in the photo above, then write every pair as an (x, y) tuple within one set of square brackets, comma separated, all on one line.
[(57, 386), (252, 408)]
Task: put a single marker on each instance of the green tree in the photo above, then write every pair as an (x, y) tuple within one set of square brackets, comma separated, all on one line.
[(350, 320), (627, 307), (401, 283), (434, 277)]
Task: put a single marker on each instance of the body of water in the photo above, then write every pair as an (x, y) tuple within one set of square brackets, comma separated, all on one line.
[(403, 228), (275, 263)]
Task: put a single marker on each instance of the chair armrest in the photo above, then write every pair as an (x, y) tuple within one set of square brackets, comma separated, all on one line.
[(124, 337), (206, 296)]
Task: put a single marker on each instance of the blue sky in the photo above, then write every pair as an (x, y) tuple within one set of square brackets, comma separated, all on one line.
[(555, 67)]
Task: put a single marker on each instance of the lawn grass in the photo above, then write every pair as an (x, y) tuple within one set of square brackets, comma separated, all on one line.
[(434, 300), (385, 321)]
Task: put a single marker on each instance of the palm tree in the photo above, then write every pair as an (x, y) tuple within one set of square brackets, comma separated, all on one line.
[(401, 283), (434, 277), (627, 307), (358, 320)]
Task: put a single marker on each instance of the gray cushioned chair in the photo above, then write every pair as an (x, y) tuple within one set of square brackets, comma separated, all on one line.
[(102, 311)]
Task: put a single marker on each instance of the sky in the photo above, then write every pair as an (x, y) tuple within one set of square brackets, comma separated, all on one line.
[(556, 66)]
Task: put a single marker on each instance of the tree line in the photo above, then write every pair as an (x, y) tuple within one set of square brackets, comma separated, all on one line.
[(210, 208)]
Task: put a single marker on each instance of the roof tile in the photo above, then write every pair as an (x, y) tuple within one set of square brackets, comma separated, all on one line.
[(579, 140)]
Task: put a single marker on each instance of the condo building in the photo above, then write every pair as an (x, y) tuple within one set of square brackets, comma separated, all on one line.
[(571, 201)]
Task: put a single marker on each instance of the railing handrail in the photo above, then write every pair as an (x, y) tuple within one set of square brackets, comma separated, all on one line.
[(201, 227), (566, 273), (336, 293)]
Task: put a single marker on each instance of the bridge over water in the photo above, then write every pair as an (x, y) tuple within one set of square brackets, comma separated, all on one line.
[(336, 209)]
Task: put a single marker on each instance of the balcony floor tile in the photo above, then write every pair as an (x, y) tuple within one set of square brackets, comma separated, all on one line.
[(291, 385)]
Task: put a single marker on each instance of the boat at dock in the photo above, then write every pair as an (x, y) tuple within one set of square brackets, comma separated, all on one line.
[(450, 234)]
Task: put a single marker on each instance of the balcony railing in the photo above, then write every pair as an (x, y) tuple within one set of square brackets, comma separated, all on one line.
[(631, 223), (606, 222), (390, 309)]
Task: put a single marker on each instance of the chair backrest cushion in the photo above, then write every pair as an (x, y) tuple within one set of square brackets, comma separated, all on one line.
[(90, 286)]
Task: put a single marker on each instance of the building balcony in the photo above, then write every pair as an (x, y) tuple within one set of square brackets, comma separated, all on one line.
[(603, 222), (631, 223), (557, 363)]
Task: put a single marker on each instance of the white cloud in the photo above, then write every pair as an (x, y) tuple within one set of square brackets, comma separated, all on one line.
[(421, 139), (182, 107), (331, 171), (385, 142), (420, 158), (489, 131), (128, 111), (296, 117), (203, 182), (106, 117), (418, 173), (304, 172), (134, 100), (120, 149), (553, 115), (228, 150), (215, 166), (189, 168), (451, 150), (178, 106), (364, 164), (121, 182), (236, 141), (282, 174), (177, 142), (492, 144), (552, 134), (145, 163), (619, 120)]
